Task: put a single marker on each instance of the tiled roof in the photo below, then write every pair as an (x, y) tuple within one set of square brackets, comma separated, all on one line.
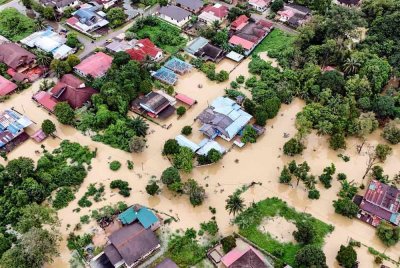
[(239, 21), (143, 48), (96, 65), (217, 10), (15, 56), (6, 86), (238, 41), (174, 12)]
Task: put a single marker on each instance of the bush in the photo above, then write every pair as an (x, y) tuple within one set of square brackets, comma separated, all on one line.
[(123, 187), (341, 176), (249, 135), (285, 176), (388, 233), (63, 196), (293, 147), (313, 194), (181, 110), (337, 141), (228, 243), (210, 227), (240, 79), (64, 113), (48, 127), (311, 256), (305, 233), (85, 219), (152, 188), (186, 130), (170, 176), (171, 147), (129, 164), (115, 165), (391, 132), (345, 207), (347, 256)]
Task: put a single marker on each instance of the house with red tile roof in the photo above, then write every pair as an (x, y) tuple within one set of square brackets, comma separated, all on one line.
[(95, 65), (259, 5), (145, 48), (380, 202), (69, 89), (6, 86), (239, 23), (217, 12), (250, 34)]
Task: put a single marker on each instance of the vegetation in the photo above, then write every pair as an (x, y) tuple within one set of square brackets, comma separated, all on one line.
[(388, 233), (186, 130), (92, 190), (209, 69), (293, 147), (14, 25), (162, 34), (249, 135), (250, 219), (326, 176), (48, 127), (347, 256), (195, 192), (210, 227), (305, 233), (181, 110), (116, 16), (228, 243), (183, 160), (212, 156), (63, 196), (391, 132), (345, 207), (171, 147), (64, 113), (172, 179), (152, 188), (311, 256), (122, 186), (115, 165), (234, 204)]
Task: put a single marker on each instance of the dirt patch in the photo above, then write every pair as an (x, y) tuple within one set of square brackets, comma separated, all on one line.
[(279, 228)]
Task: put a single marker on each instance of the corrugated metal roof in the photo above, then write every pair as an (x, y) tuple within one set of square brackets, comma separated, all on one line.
[(185, 142)]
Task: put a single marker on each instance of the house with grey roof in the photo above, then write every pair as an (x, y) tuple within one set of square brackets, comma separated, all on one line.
[(193, 6), (175, 15), (201, 48), (60, 5)]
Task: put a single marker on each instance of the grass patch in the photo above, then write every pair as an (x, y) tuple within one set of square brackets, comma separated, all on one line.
[(163, 35), (14, 25), (279, 45), (249, 220)]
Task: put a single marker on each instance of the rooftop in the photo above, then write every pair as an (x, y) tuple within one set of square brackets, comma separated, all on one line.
[(15, 56), (6, 86), (95, 65), (191, 4), (217, 10), (142, 49), (239, 258), (145, 216), (174, 12), (11, 125)]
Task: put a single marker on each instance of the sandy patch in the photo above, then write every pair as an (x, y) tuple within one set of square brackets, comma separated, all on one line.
[(279, 228), (274, 62)]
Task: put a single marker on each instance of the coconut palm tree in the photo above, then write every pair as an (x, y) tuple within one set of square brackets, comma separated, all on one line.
[(43, 58), (310, 182), (139, 126), (351, 66), (234, 204), (39, 24)]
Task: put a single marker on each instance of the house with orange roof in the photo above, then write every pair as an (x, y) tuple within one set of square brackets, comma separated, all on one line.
[(145, 48)]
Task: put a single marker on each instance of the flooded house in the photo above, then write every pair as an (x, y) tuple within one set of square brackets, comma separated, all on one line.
[(12, 126), (6, 86), (201, 48), (69, 89), (248, 34), (380, 202), (95, 65), (224, 118), (132, 240), (155, 104)]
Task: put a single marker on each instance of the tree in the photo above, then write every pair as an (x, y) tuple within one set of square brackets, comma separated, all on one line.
[(214, 156), (27, 3), (35, 216), (351, 66), (311, 256), (234, 204), (73, 60), (391, 132), (382, 151), (186, 130), (337, 141), (48, 127), (375, 156), (184, 159), (180, 110), (305, 233), (60, 67), (384, 106), (43, 58), (347, 256), (293, 147), (33, 249), (170, 176), (139, 125), (228, 243), (388, 233), (152, 188), (249, 135), (64, 113), (49, 13), (285, 176), (261, 117), (313, 194), (171, 147), (72, 40), (116, 16), (195, 191), (137, 144), (345, 207), (121, 58), (276, 5)]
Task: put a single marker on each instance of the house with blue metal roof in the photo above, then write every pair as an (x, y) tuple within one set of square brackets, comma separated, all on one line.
[(143, 215), (12, 124)]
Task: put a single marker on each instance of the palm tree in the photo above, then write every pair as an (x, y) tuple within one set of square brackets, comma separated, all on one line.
[(39, 24), (42, 58), (310, 182), (351, 66), (148, 63), (216, 24), (139, 126), (234, 204)]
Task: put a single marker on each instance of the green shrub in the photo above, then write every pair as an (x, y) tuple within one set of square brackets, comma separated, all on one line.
[(313, 194), (228, 243), (186, 130), (115, 165), (181, 110), (85, 219), (63, 196), (293, 147), (123, 187)]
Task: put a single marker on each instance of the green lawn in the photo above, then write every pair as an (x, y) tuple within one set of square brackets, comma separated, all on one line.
[(278, 44), (250, 219), (14, 25), (164, 35)]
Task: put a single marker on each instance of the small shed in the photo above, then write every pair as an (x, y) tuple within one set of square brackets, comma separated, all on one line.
[(185, 99), (234, 56), (39, 136)]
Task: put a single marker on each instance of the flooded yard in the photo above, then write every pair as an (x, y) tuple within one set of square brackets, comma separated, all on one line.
[(259, 162)]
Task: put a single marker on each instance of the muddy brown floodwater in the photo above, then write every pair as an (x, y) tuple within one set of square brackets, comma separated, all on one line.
[(259, 162)]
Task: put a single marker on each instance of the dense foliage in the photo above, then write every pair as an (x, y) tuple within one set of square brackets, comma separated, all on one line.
[(347, 256), (14, 25), (122, 186), (388, 233)]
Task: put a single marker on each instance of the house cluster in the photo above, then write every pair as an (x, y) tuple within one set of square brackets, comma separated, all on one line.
[(50, 42), (12, 129), (131, 239), (168, 74), (247, 33), (21, 64), (88, 18), (242, 255), (294, 15), (380, 202)]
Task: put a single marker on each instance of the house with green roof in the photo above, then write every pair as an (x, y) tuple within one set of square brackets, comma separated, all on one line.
[(143, 215)]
